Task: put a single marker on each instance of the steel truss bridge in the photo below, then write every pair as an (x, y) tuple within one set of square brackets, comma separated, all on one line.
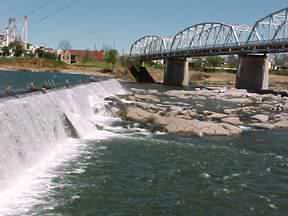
[(267, 35)]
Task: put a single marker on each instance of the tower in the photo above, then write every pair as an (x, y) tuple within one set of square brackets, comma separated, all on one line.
[(24, 36), (12, 30)]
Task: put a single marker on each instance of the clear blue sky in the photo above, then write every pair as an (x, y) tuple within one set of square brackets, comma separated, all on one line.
[(86, 23)]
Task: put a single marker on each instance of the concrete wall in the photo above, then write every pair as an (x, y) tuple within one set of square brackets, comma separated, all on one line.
[(253, 72), (176, 72)]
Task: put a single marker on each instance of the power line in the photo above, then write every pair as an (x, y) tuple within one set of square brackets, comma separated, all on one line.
[(42, 6), (58, 11)]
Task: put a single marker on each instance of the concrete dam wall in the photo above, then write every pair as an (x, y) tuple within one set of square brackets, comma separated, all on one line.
[(33, 126)]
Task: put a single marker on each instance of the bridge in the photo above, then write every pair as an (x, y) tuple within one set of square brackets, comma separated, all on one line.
[(252, 43)]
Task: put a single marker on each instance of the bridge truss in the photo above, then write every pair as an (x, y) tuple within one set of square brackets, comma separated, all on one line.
[(269, 34)]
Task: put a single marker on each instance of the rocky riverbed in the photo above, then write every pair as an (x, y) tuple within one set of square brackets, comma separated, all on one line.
[(215, 111)]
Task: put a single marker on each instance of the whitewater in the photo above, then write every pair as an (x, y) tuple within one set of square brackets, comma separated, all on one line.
[(40, 132)]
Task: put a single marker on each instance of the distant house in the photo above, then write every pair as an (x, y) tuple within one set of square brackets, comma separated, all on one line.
[(77, 56)]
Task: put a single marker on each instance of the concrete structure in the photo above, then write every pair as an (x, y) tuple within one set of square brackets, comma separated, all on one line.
[(176, 72), (253, 72), (13, 33), (268, 35)]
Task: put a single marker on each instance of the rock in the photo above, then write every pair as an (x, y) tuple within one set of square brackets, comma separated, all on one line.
[(281, 124), (280, 117), (181, 126), (238, 100), (217, 116), (267, 106), (232, 120), (261, 118), (138, 114), (148, 107), (189, 113), (152, 98), (278, 108), (262, 126), (198, 128), (206, 112)]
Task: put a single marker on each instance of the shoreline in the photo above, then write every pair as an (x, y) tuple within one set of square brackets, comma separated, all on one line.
[(53, 70)]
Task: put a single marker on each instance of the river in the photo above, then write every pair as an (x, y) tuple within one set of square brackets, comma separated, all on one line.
[(126, 170)]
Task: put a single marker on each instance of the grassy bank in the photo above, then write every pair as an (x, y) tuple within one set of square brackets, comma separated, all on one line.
[(32, 64), (48, 65)]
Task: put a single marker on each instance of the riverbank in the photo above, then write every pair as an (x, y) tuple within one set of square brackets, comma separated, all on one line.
[(46, 65)]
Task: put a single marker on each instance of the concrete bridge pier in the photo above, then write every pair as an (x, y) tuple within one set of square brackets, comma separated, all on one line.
[(253, 72), (176, 72)]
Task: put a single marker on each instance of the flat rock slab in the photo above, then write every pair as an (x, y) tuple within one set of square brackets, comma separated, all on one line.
[(232, 120), (182, 126), (261, 118)]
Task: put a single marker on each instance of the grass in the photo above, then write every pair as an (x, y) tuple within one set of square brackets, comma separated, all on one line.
[(31, 63), (94, 64)]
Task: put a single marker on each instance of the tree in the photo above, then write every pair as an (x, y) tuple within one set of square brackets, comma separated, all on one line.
[(65, 45), (39, 52), (5, 51), (17, 48), (215, 61), (111, 57), (281, 59)]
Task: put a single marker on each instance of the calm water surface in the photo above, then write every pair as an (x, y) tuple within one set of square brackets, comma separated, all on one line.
[(18, 80)]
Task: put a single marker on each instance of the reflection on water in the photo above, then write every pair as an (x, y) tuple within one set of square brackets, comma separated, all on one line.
[(19, 80)]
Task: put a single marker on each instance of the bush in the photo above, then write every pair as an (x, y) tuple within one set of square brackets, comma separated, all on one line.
[(111, 57), (215, 61)]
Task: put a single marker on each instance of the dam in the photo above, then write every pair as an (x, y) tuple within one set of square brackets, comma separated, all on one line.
[(35, 125)]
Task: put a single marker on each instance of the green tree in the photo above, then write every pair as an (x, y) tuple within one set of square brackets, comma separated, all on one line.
[(198, 64), (111, 57), (215, 61), (39, 52), (5, 51), (17, 48)]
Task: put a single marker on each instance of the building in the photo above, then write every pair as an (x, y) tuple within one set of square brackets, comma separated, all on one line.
[(77, 56)]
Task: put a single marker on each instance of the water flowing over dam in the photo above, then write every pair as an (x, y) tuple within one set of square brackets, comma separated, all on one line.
[(33, 126)]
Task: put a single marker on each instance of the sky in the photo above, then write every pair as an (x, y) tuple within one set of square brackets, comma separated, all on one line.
[(90, 24)]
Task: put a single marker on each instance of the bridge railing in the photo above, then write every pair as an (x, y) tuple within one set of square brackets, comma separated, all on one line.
[(267, 43), (267, 31)]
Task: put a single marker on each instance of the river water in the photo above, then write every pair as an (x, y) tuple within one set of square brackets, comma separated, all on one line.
[(127, 171), (145, 174)]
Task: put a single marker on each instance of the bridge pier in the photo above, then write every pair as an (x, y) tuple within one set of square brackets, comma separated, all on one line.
[(176, 72), (253, 72)]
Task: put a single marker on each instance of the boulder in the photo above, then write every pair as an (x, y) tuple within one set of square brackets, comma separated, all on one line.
[(137, 114), (217, 116), (262, 126), (261, 118), (239, 100), (196, 127), (281, 124), (232, 120), (181, 126), (151, 98)]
